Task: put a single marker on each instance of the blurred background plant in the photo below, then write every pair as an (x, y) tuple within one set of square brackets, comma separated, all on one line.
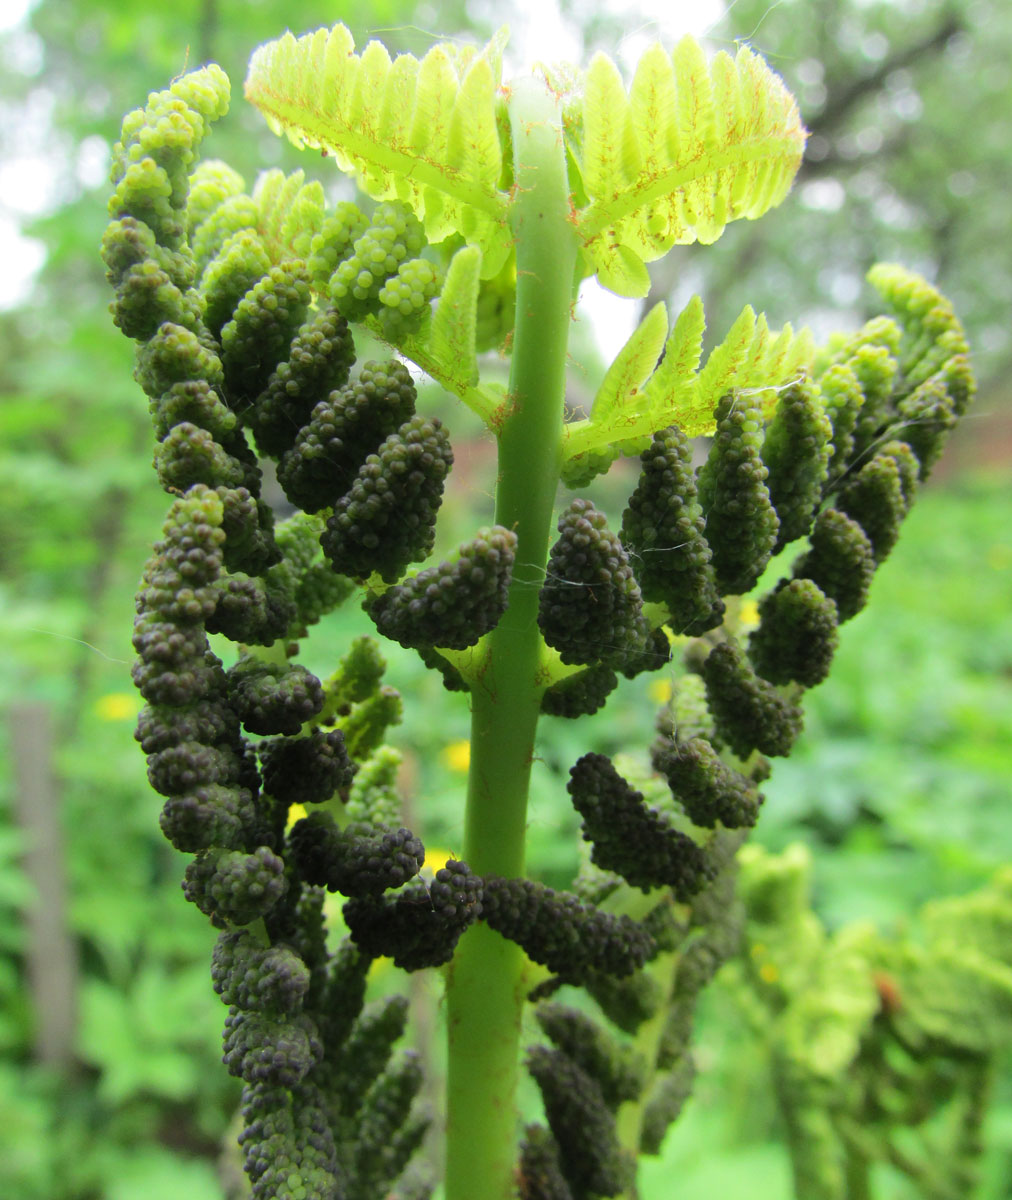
[(109, 1079)]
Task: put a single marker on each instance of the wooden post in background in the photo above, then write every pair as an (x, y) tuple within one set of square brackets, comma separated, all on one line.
[(50, 951)]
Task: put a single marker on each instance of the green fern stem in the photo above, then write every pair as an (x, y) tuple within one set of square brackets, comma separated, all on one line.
[(485, 988), (647, 1042), (633, 903)]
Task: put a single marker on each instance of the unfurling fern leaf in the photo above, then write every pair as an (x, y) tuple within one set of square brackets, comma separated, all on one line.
[(689, 148), (627, 411), (421, 132)]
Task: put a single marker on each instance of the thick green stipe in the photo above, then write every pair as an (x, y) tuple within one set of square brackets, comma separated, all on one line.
[(485, 987)]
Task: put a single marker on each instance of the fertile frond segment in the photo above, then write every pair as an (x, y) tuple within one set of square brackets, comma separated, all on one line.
[(590, 607), (319, 360), (878, 495), (932, 334), (257, 978), (157, 148), (554, 928), (591, 1157), (540, 1173), (618, 1070), (359, 860), (447, 348), (840, 561), (370, 272), (580, 695), (455, 603), (705, 786), (689, 147), (228, 885), (260, 333), (664, 530), (797, 634), (342, 431), (907, 379), (392, 238), (420, 925), (741, 524), (306, 770), (630, 838), (269, 698), (387, 518), (796, 454), (750, 714), (422, 132)]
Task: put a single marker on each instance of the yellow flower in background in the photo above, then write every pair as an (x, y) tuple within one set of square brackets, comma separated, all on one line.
[(436, 859), (117, 706), (660, 690), (295, 813), (748, 614), (769, 973), (457, 756)]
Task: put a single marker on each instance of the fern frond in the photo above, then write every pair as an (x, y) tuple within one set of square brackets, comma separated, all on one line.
[(422, 132), (690, 148), (678, 392), (681, 356), (444, 345), (750, 358), (633, 365), (445, 348), (627, 414)]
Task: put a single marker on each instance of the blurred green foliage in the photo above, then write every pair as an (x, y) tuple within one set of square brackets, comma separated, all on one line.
[(900, 784)]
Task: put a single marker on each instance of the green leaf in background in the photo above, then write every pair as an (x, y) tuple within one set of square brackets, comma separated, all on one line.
[(152, 1174), (143, 1037)]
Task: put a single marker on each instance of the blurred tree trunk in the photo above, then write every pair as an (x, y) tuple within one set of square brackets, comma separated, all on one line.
[(50, 952)]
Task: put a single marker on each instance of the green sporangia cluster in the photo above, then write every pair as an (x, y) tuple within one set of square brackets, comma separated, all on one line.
[(741, 523), (245, 305), (591, 607), (630, 838), (455, 603), (387, 518), (342, 431), (663, 528)]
